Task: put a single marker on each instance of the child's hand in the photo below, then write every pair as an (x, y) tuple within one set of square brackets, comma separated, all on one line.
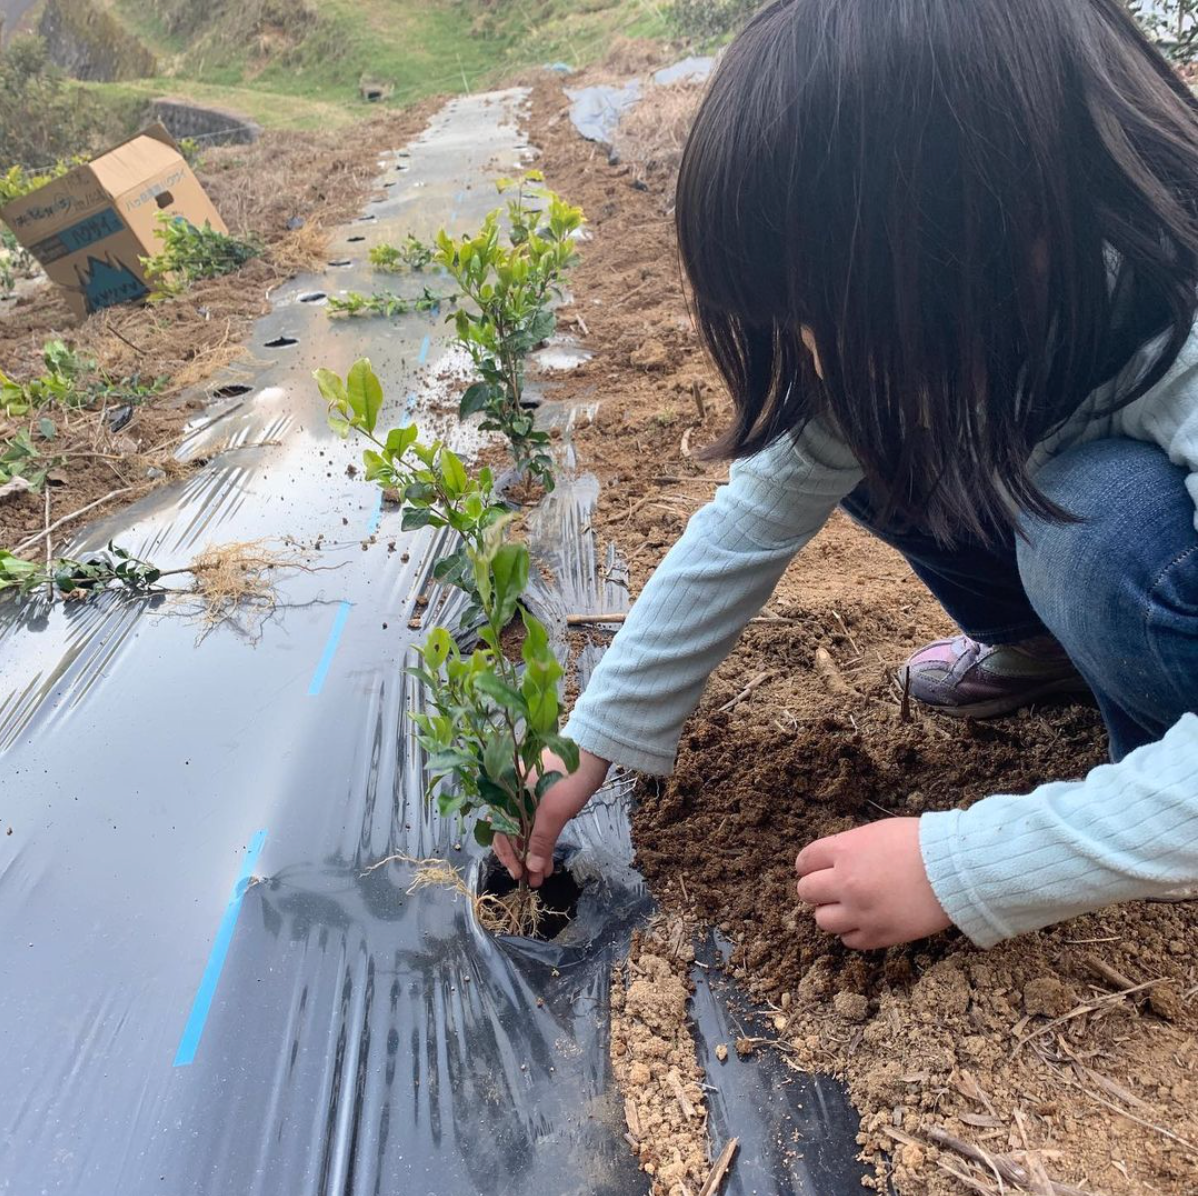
[(560, 803), (869, 886)]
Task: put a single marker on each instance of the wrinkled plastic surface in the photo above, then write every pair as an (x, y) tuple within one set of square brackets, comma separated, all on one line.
[(596, 111), (205, 985)]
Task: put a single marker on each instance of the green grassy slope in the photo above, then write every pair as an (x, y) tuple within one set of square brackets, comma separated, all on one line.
[(299, 63)]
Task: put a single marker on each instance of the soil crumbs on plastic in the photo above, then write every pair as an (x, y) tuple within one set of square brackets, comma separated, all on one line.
[(654, 1059), (1027, 1051)]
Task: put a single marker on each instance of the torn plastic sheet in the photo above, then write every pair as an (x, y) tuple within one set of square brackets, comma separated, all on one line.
[(205, 984)]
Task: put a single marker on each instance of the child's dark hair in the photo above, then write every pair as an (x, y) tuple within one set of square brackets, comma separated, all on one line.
[(980, 208)]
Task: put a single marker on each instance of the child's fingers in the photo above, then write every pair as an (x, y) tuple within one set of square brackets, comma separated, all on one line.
[(815, 857), (819, 888), (506, 854), (835, 919)]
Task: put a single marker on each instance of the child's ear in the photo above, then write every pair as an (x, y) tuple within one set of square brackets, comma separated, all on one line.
[(812, 348)]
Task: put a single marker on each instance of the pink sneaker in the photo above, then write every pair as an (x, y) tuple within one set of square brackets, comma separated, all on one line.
[(970, 680)]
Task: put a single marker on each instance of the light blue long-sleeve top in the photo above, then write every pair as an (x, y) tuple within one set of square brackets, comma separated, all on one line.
[(1007, 865)]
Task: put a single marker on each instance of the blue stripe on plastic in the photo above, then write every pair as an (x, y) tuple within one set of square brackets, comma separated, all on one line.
[(425, 345), (189, 1043), (376, 516), (330, 649)]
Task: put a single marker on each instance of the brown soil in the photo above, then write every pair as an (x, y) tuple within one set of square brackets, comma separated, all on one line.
[(321, 179), (654, 1059), (938, 1035)]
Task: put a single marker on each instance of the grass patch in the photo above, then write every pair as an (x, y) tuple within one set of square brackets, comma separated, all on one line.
[(307, 73)]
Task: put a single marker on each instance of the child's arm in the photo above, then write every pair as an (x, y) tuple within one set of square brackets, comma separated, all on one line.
[(717, 577), (1128, 831)]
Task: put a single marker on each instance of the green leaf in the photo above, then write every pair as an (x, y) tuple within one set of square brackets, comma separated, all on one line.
[(46, 428), (546, 781), (376, 467), (484, 833), (415, 518), (365, 393), (399, 440), (437, 647), (454, 474), (509, 569), (499, 758), (332, 389), (542, 709), (567, 749), (476, 398), (501, 693), (340, 426), (450, 760)]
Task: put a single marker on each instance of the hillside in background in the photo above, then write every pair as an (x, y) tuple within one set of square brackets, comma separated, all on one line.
[(311, 63)]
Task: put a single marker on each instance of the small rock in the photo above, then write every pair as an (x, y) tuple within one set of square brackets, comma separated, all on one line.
[(639, 1075), (651, 355), (721, 1051), (1165, 1001), (1046, 996), (852, 1007), (154, 473)]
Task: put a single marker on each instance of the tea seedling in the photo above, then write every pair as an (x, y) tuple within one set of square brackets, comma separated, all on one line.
[(189, 253), (490, 720), (430, 480), (412, 255), (510, 287)]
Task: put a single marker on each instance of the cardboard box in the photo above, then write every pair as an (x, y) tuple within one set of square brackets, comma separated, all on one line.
[(90, 228)]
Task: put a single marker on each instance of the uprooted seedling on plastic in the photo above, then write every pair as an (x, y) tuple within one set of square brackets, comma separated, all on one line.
[(385, 303), (490, 720), (511, 284), (75, 579)]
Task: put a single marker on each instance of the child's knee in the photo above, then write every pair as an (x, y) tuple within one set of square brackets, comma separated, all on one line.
[(1131, 519)]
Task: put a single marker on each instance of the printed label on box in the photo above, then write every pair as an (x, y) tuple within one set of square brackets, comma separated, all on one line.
[(77, 236)]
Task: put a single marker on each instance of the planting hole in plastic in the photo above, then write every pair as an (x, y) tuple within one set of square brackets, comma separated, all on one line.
[(356, 238), (559, 894), (342, 262), (232, 391), (282, 342), (165, 199), (313, 297)]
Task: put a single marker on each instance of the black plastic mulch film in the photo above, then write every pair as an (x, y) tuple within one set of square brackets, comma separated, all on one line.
[(202, 987)]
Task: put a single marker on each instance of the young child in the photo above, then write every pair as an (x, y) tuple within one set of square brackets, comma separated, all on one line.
[(944, 254)]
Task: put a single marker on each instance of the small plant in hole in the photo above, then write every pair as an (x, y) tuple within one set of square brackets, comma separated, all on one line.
[(510, 287), (490, 720), (190, 253), (385, 303), (412, 255)]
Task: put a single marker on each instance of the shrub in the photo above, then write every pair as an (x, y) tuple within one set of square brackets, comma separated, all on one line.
[(705, 19)]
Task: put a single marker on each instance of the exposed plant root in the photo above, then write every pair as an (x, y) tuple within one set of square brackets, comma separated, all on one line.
[(520, 912)]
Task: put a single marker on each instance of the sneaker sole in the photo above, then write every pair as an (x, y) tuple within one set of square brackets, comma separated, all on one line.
[(996, 707)]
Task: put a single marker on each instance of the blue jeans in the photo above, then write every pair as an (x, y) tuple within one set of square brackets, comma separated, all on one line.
[(1118, 589)]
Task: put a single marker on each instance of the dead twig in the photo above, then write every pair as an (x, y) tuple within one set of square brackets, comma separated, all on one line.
[(700, 405), (91, 506), (719, 1169), (49, 554), (755, 684), (831, 675), (675, 1083), (1104, 971)]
